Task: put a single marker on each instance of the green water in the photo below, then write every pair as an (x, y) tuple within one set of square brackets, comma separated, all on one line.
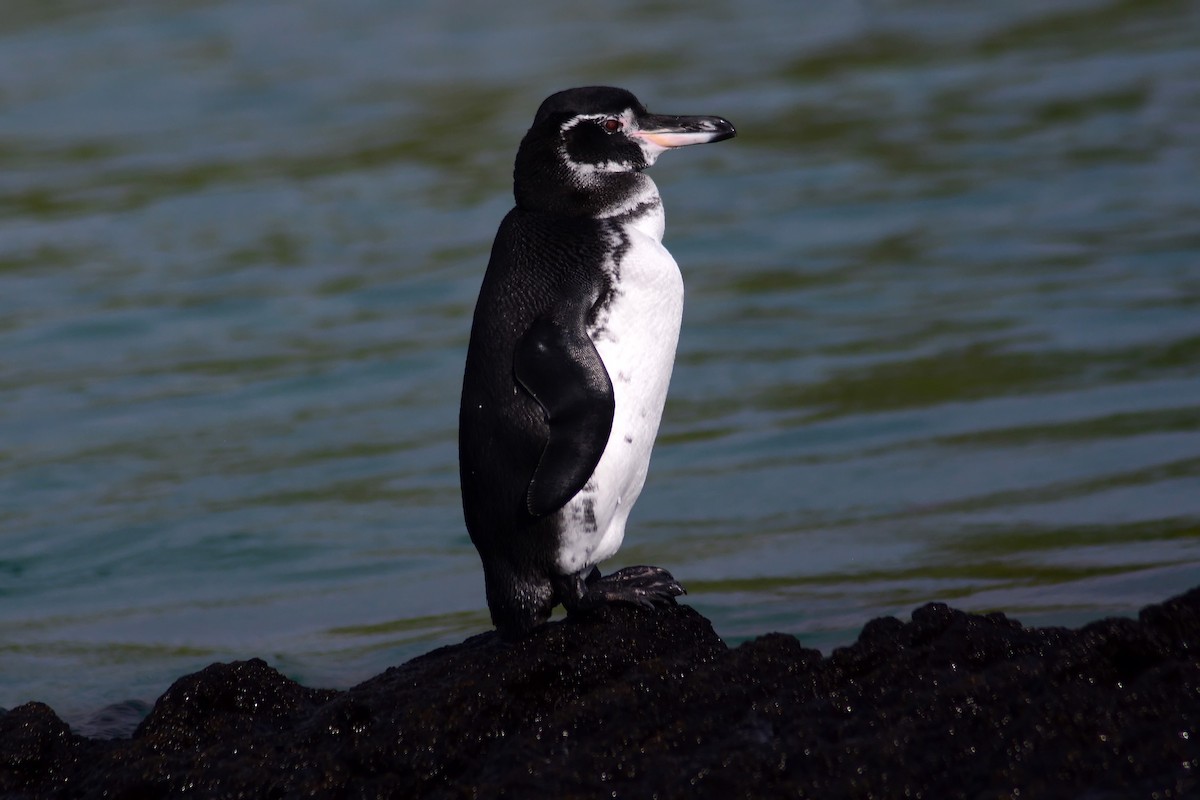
[(941, 341)]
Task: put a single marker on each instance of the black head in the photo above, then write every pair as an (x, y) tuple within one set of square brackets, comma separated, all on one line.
[(587, 148)]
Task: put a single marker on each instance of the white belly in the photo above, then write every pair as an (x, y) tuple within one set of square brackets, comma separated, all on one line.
[(636, 340)]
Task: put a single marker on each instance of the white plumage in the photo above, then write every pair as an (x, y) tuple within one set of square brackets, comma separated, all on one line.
[(636, 338)]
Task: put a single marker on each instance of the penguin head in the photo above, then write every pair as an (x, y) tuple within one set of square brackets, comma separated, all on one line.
[(587, 147)]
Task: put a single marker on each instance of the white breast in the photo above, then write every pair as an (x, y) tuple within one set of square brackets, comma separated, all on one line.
[(636, 338)]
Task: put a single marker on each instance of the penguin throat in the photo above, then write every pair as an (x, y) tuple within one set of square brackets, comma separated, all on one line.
[(597, 195), (637, 204)]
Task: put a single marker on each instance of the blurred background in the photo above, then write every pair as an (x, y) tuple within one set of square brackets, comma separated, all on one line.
[(941, 341)]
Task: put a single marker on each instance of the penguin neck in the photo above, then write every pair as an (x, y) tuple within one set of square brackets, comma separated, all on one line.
[(546, 181), (642, 209), (629, 199)]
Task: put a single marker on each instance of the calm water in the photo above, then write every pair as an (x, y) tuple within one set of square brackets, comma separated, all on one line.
[(942, 339)]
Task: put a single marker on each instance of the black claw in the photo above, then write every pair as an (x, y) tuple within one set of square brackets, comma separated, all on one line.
[(644, 586)]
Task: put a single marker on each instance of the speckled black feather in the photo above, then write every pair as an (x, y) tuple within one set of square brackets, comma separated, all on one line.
[(542, 267), (538, 404)]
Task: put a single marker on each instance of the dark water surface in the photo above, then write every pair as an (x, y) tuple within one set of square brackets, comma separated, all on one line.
[(942, 337)]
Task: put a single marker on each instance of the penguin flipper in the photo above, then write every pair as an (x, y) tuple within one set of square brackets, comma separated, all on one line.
[(559, 366)]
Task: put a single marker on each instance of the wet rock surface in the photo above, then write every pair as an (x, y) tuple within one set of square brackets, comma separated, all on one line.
[(634, 703)]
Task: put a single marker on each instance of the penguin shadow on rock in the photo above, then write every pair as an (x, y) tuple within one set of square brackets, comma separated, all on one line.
[(571, 350)]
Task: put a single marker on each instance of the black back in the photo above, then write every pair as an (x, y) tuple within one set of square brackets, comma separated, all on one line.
[(537, 402), (543, 284)]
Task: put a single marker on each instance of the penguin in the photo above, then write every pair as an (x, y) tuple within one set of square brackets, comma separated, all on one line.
[(571, 350)]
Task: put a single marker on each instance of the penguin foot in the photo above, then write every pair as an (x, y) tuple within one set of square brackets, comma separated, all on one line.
[(642, 586)]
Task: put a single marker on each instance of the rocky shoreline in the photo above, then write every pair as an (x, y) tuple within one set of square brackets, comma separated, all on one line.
[(635, 703)]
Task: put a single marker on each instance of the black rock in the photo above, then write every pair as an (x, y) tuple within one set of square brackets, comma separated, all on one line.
[(636, 703)]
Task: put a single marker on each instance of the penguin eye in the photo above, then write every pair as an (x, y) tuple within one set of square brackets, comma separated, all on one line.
[(611, 125)]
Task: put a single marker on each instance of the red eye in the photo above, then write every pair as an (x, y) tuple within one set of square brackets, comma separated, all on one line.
[(612, 124)]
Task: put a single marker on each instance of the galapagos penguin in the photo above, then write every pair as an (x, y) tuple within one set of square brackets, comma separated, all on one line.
[(571, 350)]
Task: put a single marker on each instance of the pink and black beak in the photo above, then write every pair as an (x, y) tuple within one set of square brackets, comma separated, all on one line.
[(658, 132)]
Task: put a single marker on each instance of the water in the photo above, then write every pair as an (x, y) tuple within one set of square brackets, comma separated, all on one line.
[(942, 336)]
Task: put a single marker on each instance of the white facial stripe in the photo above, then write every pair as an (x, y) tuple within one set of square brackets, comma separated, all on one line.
[(585, 170), (625, 116)]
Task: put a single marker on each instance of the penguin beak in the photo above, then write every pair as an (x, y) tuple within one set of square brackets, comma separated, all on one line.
[(665, 132)]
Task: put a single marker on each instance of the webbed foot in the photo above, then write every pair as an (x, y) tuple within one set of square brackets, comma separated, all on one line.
[(642, 586)]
